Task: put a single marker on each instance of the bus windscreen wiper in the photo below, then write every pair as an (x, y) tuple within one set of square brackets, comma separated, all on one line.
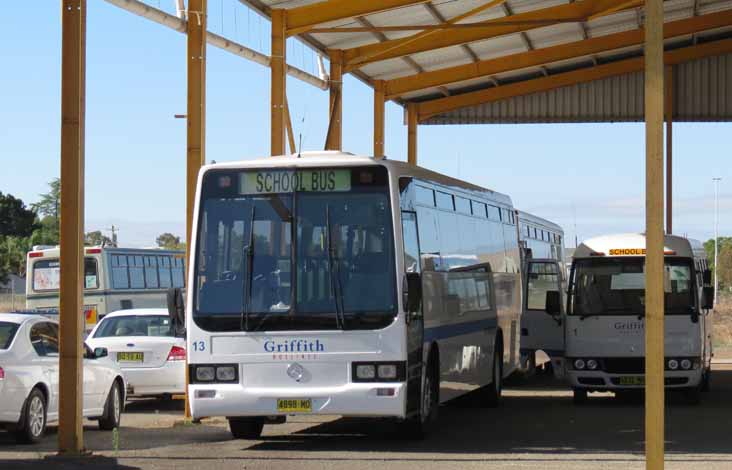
[(335, 277), (246, 287)]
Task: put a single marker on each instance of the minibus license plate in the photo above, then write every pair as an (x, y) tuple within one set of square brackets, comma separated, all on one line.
[(294, 405), (130, 357), (632, 381)]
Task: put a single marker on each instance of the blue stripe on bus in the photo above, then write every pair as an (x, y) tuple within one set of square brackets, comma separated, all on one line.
[(458, 329)]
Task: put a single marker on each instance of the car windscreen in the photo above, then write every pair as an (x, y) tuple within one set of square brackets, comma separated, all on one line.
[(7, 333), (135, 325)]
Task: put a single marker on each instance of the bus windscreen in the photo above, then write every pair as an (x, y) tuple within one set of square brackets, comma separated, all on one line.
[(294, 250), (46, 274)]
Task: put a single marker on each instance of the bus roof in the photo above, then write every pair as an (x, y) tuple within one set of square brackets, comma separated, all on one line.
[(535, 219), (90, 250), (634, 244), (335, 158)]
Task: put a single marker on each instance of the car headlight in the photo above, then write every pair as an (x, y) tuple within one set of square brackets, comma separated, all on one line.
[(579, 364), (387, 371), (205, 373), (365, 371), (592, 364), (673, 364), (685, 364), (225, 373)]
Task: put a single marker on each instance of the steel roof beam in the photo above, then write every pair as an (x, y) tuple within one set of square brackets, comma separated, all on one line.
[(402, 85), (428, 109), (359, 56), (302, 19)]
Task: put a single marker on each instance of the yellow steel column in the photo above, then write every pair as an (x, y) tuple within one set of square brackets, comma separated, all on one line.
[(379, 103), (654, 97), (278, 81), (196, 113), (335, 129), (71, 299), (288, 122), (412, 133), (669, 108)]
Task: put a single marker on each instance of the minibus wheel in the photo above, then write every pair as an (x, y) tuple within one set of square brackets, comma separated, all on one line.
[(246, 428), (579, 395)]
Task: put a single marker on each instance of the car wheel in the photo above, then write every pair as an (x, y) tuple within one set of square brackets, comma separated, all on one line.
[(32, 423), (246, 428), (112, 409)]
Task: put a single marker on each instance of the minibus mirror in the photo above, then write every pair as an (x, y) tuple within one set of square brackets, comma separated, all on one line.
[(707, 300), (176, 311), (412, 293), (553, 304), (707, 277)]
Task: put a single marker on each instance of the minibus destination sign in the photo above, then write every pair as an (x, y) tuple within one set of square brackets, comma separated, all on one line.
[(279, 181)]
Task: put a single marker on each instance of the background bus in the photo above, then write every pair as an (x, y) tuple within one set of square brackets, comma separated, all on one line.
[(114, 279)]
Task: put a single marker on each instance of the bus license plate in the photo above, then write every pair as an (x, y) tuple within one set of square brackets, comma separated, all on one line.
[(632, 381), (294, 405), (130, 357)]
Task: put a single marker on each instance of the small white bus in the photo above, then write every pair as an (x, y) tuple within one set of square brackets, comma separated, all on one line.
[(330, 283), (114, 279), (604, 321)]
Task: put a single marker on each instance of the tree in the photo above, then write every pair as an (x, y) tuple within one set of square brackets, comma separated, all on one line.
[(725, 267), (15, 219), (170, 242), (709, 248), (12, 256), (50, 202), (96, 238)]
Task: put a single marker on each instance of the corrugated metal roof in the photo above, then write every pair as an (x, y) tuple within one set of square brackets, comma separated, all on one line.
[(572, 103), (702, 92)]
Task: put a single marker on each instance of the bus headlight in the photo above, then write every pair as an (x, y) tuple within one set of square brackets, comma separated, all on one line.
[(387, 371), (365, 372), (685, 364), (592, 364), (673, 364), (579, 364), (205, 373), (225, 373)]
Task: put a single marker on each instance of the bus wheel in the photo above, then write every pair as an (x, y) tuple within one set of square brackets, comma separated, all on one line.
[(494, 390), (692, 395), (246, 428), (706, 381), (419, 426), (579, 395)]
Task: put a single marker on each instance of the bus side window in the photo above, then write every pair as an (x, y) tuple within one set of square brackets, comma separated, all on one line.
[(178, 272), (137, 272), (164, 272), (119, 272), (151, 273)]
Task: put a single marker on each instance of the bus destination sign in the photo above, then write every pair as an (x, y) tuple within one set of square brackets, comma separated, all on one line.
[(288, 181)]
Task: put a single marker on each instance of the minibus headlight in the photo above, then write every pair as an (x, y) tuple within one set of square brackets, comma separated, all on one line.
[(673, 364), (579, 364), (205, 373), (365, 371), (592, 364), (685, 364), (387, 371), (225, 373)]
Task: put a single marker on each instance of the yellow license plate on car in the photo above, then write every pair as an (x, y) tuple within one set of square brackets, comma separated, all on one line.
[(632, 381), (294, 405), (130, 357)]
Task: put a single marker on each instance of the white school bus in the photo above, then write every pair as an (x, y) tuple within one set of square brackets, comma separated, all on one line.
[(604, 321), (114, 279), (330, 283)]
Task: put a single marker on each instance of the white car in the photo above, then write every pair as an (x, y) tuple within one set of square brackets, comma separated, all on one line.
[(29, 378), (143, 343)]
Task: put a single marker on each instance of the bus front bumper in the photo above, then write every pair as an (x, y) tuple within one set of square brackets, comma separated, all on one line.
[(352, 399), (600, 380)]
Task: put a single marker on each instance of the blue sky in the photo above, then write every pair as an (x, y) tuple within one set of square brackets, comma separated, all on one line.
[(586, 174)]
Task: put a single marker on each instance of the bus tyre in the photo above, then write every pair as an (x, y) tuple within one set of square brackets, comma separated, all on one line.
[(112, 409), (419, 426), (494, 390), (32, 423), (246, 428), (579, 395), (706, 385)]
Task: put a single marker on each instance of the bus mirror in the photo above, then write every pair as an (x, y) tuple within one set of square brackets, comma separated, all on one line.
[(707, 300), (707, 277), (176, 311), (553, 304), (412, 293)]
